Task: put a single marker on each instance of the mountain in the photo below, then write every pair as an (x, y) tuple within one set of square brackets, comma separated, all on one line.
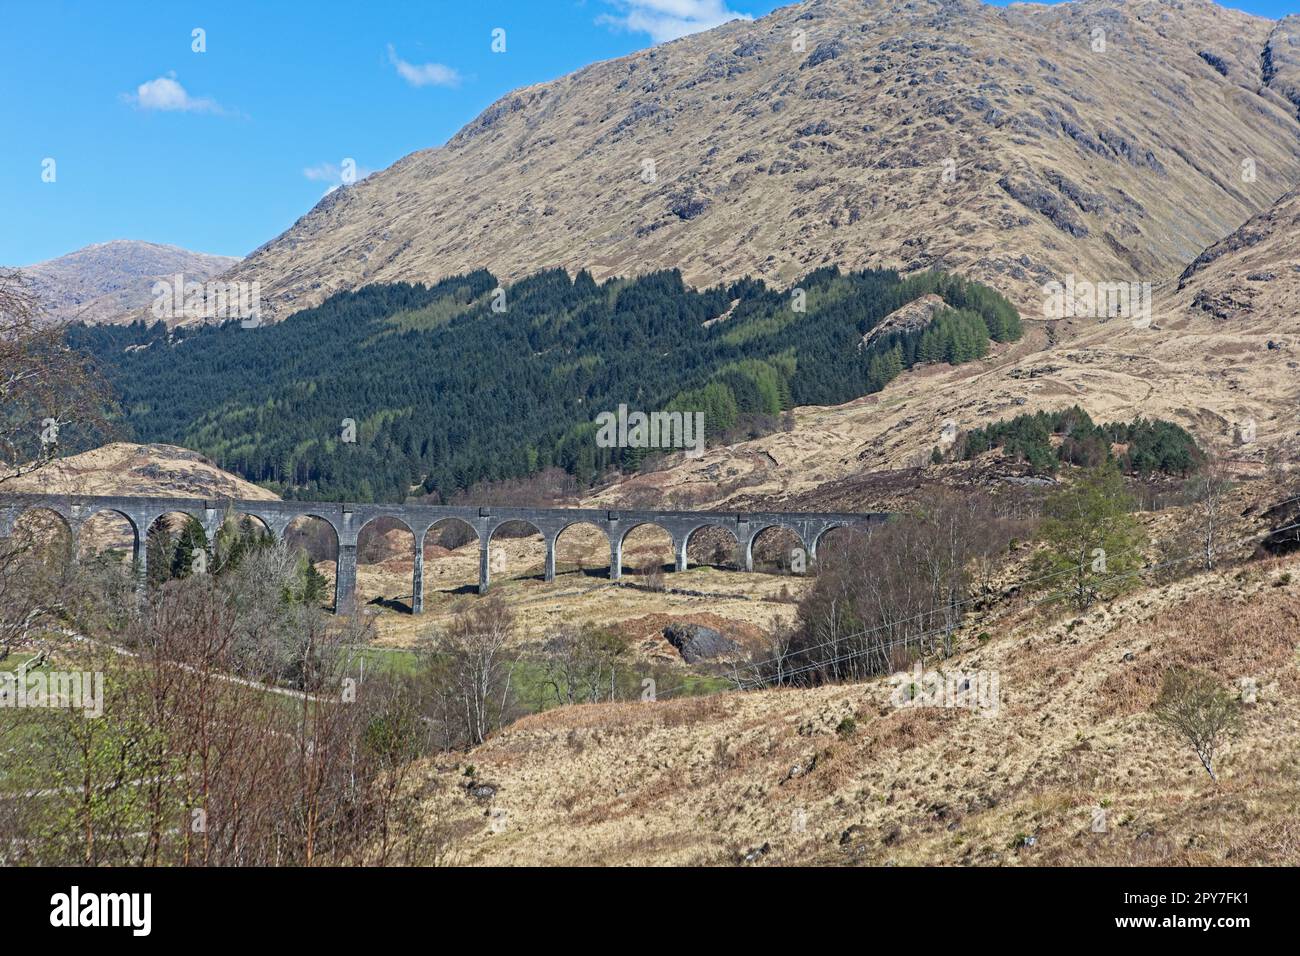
[(1219, 358), (1110, 139), (1106, 141), (105, 280), (1250, 277)]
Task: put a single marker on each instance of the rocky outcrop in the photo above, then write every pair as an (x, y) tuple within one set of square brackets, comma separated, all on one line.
[(913, 316), (697, 643), (1280, 60), (1036, 196), (1255, 271)]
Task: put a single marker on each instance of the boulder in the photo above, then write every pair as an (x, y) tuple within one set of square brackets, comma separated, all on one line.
[(696, 642)]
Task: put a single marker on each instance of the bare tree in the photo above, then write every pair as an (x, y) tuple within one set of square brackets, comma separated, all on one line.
[(651, 573), (1195, 707), (22, 604), (770, 661), (896, 591), (582, 664), (47, 390), (1209, 492), (564, 664), (34, 577), (474, 650)]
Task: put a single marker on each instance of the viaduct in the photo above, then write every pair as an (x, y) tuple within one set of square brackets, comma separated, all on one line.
[(347, 520)]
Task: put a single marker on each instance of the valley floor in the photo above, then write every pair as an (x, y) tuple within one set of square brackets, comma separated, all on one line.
[(745, 605)]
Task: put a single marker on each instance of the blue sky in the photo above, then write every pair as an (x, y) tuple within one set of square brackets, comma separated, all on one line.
[(219, 151)]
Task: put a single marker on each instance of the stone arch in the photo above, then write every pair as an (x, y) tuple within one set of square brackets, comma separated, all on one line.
[(711, 553), (376, 519), (53, 532), (65, 519), (835, 531), (371, 547), (494, 562), (644, 529), (165, 533), (788, 553), (386, 549), (317, 544), (576, 557), (320, 539), (274, 522), (269, 525), (226, 525), (96, 535), (457, 540), (448, 569)]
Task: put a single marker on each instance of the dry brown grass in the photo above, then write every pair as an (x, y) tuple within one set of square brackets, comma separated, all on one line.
[(123, 468), (1232, 639), (743, 606), (705, 781)]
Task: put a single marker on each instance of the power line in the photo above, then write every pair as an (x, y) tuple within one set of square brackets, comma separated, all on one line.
[(759, 682), (972, 600)]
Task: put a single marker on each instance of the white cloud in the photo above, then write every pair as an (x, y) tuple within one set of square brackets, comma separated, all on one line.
[(423, 74), (333, 173), (166, 94), (669, 19), (322, 172)]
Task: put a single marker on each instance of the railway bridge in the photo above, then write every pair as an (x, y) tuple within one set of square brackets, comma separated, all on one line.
[(347, 521)]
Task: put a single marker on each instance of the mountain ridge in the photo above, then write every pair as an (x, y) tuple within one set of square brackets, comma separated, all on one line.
[(770, 160)]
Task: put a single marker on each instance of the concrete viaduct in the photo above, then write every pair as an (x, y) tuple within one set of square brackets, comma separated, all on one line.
[(347, 520)]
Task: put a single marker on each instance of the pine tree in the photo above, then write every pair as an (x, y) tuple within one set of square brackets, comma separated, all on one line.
[(160, 549), (190, 543)]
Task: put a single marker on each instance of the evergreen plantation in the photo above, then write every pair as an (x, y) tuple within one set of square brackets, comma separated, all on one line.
[(446, 392), (1046, 440)]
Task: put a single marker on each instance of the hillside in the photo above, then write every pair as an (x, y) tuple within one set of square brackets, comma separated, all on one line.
[(1219, 355), (1249, 280), (106, 280), (1100, 138), (1069, 769), (444, 389), (125, 468), (1212, 378)]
